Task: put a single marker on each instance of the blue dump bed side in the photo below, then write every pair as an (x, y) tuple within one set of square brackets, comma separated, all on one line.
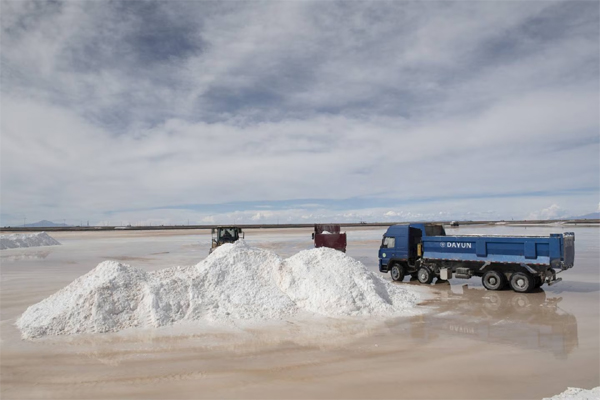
[(556, 250)]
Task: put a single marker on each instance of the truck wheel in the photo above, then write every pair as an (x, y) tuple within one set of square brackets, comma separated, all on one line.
[(397, 272), (493, 280), (522, 282), (424, 275)]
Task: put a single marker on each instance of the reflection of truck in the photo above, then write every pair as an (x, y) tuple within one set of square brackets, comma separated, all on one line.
[(524, 262), (329, 236), (527, 321), (225, 234)]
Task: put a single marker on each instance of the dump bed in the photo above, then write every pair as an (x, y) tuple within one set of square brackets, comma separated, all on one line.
[(556, 250), (329, 236)]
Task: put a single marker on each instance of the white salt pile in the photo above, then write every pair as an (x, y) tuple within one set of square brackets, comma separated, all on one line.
[(329, 282), (578, 394), (17, 240), (235, 282)]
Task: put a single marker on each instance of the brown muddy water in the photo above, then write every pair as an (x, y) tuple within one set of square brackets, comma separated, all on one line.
[(470, 343)]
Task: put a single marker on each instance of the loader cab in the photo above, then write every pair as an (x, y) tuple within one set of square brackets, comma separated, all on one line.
[(225, 234)]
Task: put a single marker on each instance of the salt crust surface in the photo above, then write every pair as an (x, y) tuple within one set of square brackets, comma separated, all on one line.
[(577, 393), (235, 282), (17, 240)]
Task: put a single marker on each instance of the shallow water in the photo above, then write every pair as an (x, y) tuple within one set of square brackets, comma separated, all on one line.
[(471, 344)]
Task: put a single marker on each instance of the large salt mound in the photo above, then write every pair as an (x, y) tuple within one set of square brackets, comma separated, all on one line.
[(331, 283), (234, 282), (238, 282), (17, 240), (578, 394)]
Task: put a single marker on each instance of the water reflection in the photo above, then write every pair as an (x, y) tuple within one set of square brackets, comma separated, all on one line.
[(38, 255), (530, 321)]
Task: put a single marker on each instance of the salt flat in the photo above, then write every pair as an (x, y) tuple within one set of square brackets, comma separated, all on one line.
[(469, 344)]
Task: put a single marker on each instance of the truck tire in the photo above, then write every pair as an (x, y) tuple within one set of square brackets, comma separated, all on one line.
[(425, 275), (397, 272), (493, 280), (522, 282)]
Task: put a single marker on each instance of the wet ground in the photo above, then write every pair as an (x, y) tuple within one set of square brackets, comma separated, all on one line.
[(471, 343)]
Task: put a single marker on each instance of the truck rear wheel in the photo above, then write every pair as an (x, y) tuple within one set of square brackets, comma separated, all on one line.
[(397, 272), (425, 275), (493, 280), (522, 282)]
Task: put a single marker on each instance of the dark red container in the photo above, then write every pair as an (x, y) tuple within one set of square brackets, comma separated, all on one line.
[(329, 236)]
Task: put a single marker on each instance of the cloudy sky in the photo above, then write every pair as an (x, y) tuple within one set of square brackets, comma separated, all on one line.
[(234, 112)]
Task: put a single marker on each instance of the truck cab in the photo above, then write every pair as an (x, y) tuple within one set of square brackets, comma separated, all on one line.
[(402, 244)]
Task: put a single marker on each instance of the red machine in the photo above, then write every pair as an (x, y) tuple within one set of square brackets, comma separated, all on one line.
[(329, 236)]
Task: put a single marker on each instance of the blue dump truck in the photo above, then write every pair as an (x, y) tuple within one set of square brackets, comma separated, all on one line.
[(523, 262)]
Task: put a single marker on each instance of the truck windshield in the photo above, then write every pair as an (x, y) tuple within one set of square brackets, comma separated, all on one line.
[(388, 242)]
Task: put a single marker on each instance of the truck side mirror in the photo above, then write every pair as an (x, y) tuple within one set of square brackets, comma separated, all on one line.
[(313, 236), (212, 231)]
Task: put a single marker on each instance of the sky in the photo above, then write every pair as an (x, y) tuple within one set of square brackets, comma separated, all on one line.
[(169, 112)]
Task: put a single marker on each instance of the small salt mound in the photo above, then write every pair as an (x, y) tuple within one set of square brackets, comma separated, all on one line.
[(108, 298), (235, 282), (331, 283), (17, 240), (577, 394)]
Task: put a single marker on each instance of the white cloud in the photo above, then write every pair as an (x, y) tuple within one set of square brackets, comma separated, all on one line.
[(274, 101), (552, 212), (263, 216)]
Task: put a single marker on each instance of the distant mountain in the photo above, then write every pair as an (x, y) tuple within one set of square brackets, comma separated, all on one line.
[(595, 215), (44, 224)]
